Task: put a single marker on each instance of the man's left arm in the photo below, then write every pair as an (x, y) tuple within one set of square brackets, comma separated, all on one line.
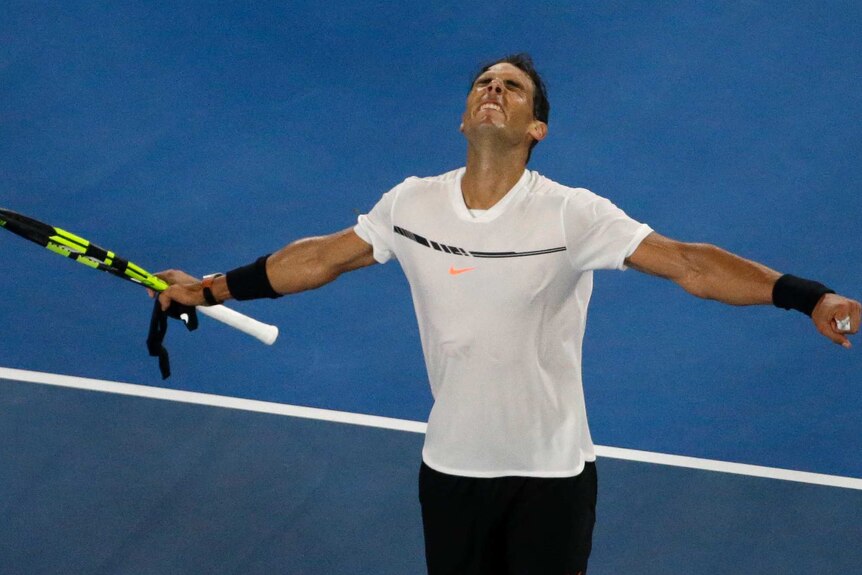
[(710, 272)]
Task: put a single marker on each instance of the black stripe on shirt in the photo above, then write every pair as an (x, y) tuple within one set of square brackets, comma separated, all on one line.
[(462, 252)]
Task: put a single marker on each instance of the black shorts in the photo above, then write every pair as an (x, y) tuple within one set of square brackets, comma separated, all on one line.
[(507, 525)]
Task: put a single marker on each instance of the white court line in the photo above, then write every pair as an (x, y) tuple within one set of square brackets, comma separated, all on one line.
[(211, 400), (406, 425)]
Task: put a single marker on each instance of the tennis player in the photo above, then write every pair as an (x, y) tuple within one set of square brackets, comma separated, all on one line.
[(500, 262)]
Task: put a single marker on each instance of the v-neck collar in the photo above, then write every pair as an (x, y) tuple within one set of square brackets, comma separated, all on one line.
[(492, 213)]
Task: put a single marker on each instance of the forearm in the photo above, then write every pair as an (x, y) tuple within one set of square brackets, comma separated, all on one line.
[(734, 280), (716, 274), (297, 267), (305, 264), (302, 265), (710, 272), (705, 270)]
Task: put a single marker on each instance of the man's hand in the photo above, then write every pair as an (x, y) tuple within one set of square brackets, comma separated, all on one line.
[(184, 288), (833, 309)]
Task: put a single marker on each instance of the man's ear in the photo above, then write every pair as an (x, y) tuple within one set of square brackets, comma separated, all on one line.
[(538, 130)]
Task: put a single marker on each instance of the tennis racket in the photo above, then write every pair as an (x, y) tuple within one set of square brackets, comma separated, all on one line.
[(83, 251)]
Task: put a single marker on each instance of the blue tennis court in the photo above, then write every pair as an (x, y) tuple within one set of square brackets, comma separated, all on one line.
[(104, 482), (199, 136)]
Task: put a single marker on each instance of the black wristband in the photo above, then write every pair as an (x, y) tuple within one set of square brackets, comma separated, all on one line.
[(250, 281), (791, 292)]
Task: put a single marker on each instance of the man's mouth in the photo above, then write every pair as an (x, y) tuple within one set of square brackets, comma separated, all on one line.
[(490, 106)]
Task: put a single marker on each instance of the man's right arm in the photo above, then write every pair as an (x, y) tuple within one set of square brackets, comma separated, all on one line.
[(313, 262), (302, 265)]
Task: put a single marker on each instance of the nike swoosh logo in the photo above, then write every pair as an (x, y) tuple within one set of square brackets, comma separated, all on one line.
[(453, 271)]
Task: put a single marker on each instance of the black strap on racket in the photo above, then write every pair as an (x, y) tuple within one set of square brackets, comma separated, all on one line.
[(159, 328)]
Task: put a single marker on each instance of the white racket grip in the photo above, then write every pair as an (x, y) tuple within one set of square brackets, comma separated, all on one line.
[(262, 331)]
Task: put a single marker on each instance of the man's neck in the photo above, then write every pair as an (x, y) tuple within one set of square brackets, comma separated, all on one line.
[(490, 175)]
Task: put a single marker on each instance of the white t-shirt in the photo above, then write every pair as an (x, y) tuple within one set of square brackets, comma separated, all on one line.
[(501, 300)]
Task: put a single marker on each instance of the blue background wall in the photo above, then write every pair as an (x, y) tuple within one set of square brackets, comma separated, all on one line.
[(202, 135)]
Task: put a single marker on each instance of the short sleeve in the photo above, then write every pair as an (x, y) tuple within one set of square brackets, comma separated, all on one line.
[(375, 227), (598, 234)]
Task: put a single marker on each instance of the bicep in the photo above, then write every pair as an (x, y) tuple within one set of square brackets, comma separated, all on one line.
[(346, 251), (333, 254), (661, 256)]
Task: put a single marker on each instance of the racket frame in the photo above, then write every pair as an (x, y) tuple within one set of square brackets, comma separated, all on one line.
[(83, 251)]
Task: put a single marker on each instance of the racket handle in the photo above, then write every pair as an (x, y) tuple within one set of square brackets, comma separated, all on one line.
[(262, 331)]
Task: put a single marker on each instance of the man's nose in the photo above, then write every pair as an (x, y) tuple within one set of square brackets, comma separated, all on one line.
[(495, 86)]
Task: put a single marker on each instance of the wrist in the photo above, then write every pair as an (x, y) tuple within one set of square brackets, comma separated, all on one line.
[(791, 292), (211, 294)]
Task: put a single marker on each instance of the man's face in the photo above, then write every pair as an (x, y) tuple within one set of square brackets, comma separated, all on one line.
[(501, 101)]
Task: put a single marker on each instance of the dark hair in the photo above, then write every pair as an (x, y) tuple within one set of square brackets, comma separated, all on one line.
[(523, 61)]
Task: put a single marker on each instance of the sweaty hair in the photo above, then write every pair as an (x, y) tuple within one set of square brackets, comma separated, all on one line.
[(523, 61)]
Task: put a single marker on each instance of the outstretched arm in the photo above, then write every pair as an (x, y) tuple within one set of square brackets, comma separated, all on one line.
[(709, 272), (302, 265), (313, 262)]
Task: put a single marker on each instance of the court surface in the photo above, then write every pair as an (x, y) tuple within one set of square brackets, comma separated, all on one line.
[(200, 136), (111, 478)]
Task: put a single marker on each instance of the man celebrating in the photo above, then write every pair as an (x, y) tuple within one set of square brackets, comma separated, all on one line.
[(500, 262)]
